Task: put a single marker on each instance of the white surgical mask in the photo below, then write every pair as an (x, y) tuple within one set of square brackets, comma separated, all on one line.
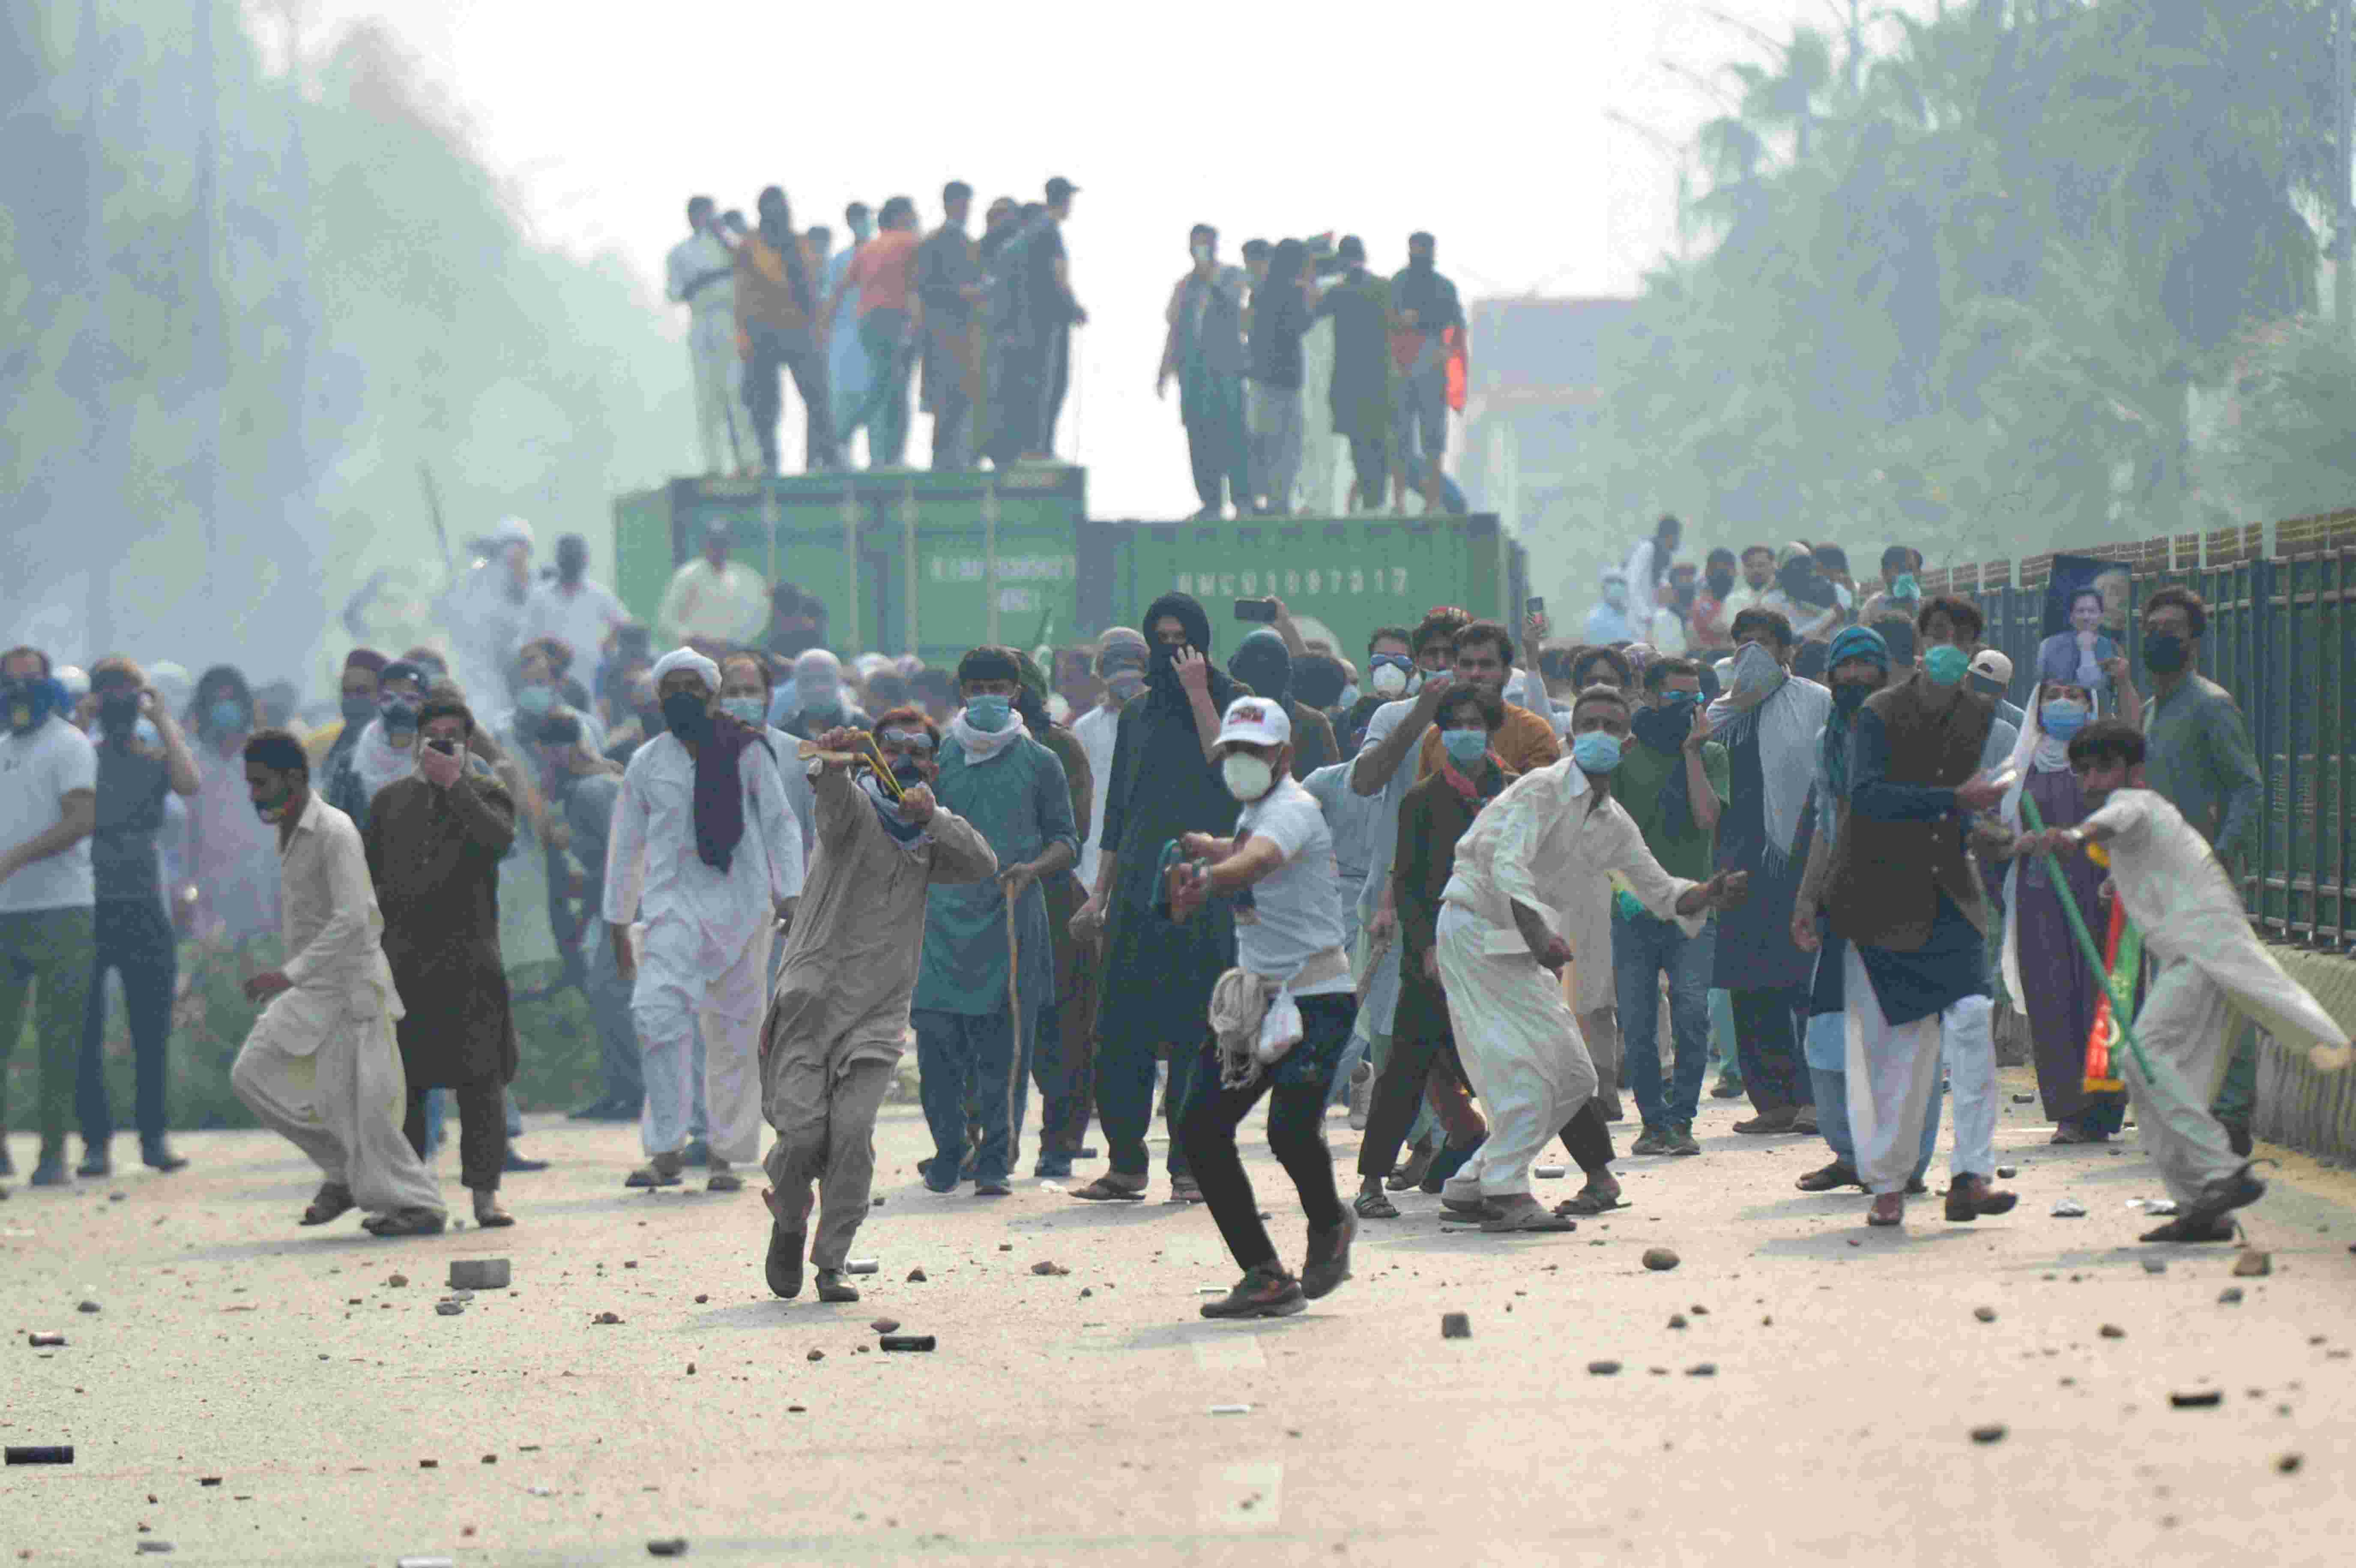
[(1247, 777), (1390, 680)]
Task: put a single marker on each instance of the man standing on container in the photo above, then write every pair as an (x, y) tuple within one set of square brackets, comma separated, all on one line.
[(1205, 349), (1425, 309), (700, 273), (835, 1026), (948, 287)]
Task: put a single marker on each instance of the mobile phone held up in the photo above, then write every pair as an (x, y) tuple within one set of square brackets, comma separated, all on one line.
[(1261, 610), (1534, 605)]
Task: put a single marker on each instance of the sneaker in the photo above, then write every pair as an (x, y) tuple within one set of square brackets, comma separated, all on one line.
[(1265, 1292), (924, 1170), (992, 1189), (1652, 1140), (156, 1153), (1728, 1087), (517, 1162), (1681, 1139), (51, 1169), (1053, 1167), (1328, 1262), (1362, 1094), (832, 1286), (95, 1161)]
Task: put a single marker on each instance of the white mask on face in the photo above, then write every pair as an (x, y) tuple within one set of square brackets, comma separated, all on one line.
[(1247, 777), (1390, 680)]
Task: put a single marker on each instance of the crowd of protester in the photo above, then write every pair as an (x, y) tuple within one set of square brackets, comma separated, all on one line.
[(978, 325), (981, 326), (1472, 879)]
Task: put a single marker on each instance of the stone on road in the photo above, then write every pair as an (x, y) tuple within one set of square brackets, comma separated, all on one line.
[(1851, 1385)]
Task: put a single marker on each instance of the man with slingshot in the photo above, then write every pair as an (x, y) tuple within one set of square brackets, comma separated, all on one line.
[(841, 1010), (2194, 925)]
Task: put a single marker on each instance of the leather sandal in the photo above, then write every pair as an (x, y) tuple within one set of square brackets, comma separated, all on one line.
[(1105, 1189), (1374, 1206), (331, 1201)]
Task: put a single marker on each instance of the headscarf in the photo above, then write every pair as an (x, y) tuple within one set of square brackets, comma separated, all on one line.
[(1262, 662), (1161, 687), (1853, 643), (719, 776), (1124, 637)]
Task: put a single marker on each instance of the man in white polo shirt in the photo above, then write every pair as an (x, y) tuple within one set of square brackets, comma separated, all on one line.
[(48, 803)]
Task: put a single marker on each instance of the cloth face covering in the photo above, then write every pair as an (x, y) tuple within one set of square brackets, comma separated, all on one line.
[(1247, 777), (1595, 751), (2163, 653), (1945, 663)]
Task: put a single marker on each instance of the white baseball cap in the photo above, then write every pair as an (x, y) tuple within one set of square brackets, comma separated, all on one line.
[(1257, 721), (1993, 665), (513, 531)]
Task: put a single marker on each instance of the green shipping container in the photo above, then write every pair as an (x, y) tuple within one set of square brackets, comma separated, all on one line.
[(933, 563), (1350, 575)]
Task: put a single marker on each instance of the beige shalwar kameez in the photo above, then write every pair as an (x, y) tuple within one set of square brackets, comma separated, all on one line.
[(1549, 844), (2195, 927), (838, 1021), (321, 1066)]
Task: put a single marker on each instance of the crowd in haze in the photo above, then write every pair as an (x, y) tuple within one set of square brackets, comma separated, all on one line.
[(981, 328), (1474, 881)]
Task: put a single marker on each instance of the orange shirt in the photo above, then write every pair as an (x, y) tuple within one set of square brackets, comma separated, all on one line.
[(884, 271), (1525, 744)]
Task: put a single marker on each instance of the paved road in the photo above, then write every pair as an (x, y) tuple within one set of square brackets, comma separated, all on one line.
[(1069, 1418)]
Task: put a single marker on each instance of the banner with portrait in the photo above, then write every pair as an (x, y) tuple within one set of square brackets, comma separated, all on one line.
[(2085, 623)]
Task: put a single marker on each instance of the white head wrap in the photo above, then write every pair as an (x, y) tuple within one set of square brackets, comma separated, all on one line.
[(513, 531), (688, 658)]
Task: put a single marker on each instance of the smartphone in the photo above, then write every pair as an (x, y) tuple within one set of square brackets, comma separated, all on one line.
[(1262, 610), (1534, 605)]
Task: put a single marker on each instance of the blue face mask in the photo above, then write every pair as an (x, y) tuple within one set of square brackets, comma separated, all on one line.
[(226, 714), (1904, 587), (1595, 751), (535, 700), (1945, 663), (751, 709), (2063, 717), (1349, 697), (989, 714), (1464, 746)]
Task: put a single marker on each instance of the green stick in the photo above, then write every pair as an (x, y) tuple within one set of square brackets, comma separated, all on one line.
[(2119, 1008)]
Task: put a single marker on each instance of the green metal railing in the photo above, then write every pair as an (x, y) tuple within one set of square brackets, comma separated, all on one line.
[(2282, 639)]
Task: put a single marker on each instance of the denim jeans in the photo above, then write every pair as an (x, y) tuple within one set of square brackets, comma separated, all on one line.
[(620, 1065), (135, 939), (1722, 1054), (955, 1052), (45, 959), (1643, 949)]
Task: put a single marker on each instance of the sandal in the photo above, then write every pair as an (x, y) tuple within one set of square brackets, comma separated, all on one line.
[(1590, 1203), (1105, 1189), (403, 1222), (1533, 1219), (1374, 1206), (330, 1201), (1185, 1190), (1411, 1173), (1874, 1216)]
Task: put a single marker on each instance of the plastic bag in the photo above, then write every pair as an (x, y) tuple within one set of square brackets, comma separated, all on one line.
[(1279, 1029)]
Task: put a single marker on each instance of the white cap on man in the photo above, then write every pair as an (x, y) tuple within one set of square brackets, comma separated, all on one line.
[(513, 531), (1256, 722), (1995, 665)]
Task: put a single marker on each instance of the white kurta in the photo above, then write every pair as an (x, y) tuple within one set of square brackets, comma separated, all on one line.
[(729, 606), (1096, 730), (1548, 843), (2193, 923), (705, 953), (321, 1066)]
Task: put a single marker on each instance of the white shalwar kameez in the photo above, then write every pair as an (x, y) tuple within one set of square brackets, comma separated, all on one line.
[(321, 1066), (721, 420), (1550, 843), (2195, 927), (703, 959)]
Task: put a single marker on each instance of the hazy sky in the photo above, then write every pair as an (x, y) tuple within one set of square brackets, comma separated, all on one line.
[(1496, 126)]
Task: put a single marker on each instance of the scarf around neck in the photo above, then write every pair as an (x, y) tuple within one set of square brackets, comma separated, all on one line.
[(1783, 716), (1478, 791), (720, 789), (983, 745)]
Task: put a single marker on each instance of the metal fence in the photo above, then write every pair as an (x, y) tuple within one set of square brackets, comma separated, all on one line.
[(2282, 639)]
